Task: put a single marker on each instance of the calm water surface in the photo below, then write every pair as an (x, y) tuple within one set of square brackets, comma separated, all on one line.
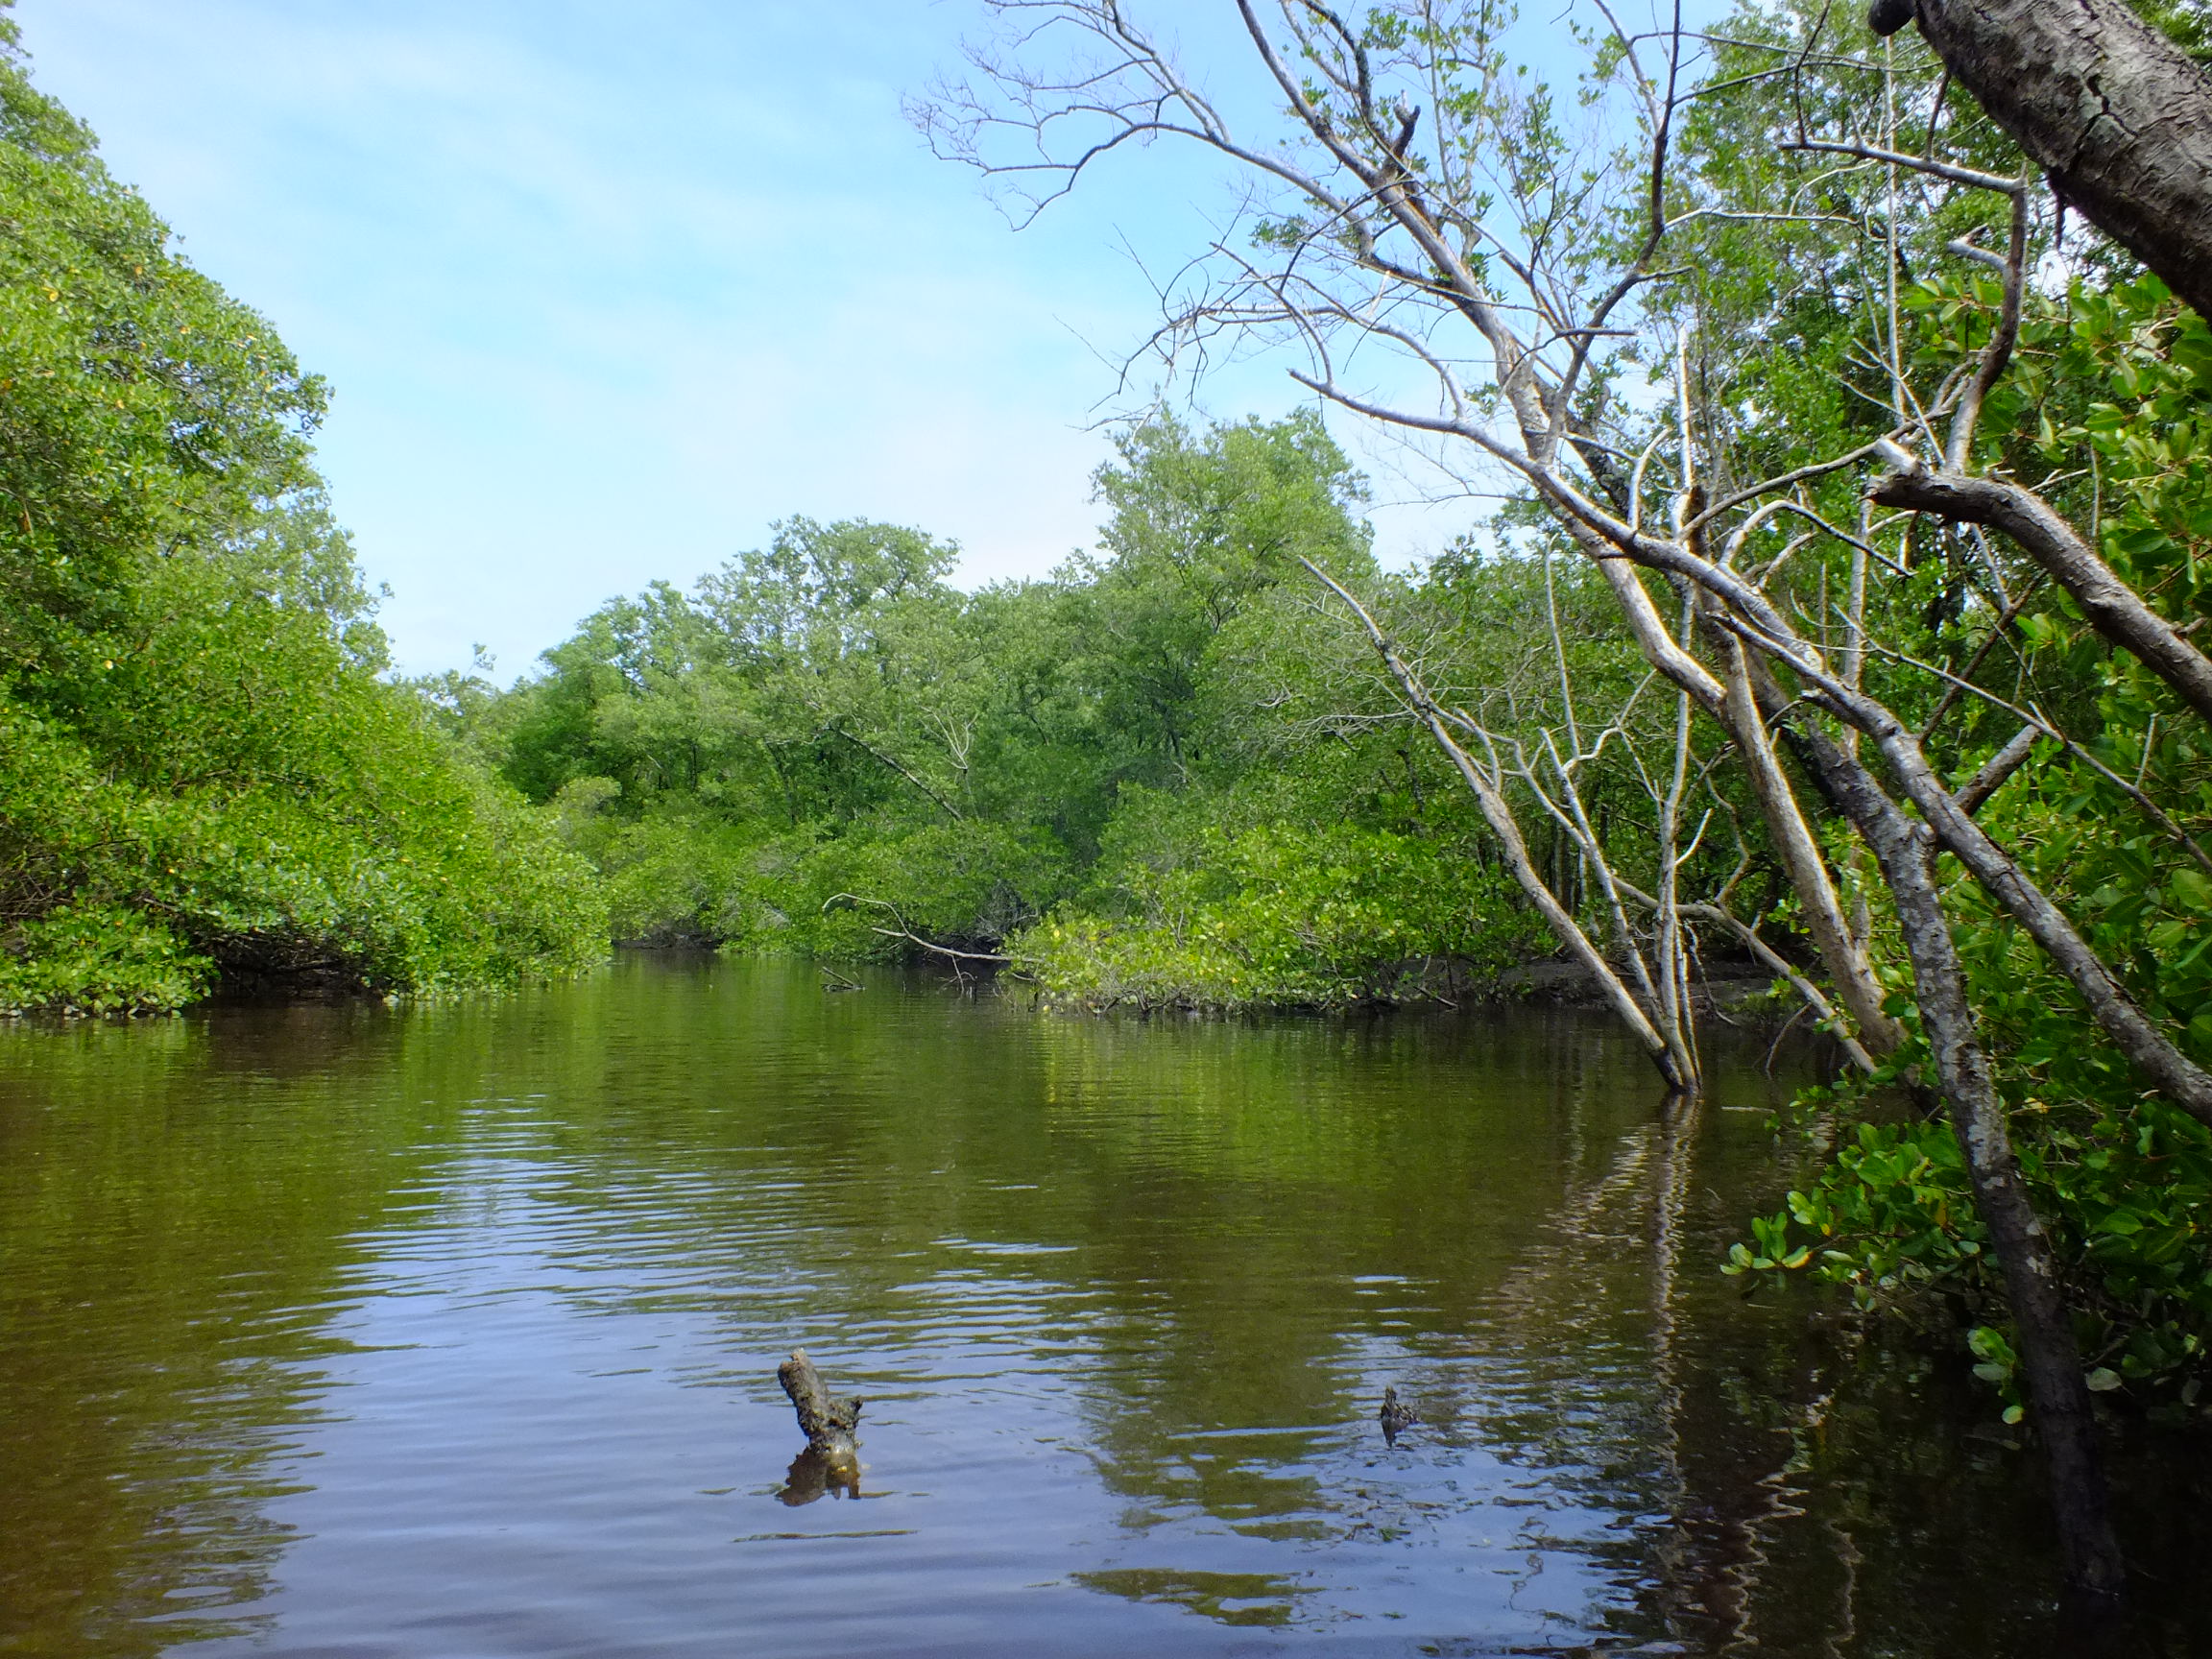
[(452, 1331)]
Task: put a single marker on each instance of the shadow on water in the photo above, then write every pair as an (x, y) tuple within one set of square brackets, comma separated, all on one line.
[(340, 1329)]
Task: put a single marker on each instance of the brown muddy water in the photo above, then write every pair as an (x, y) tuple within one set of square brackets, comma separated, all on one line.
[(417, 1333)]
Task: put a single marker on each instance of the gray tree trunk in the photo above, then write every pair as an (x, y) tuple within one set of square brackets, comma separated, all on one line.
[(2115, 114), (2113, 609), (2050, 1358)]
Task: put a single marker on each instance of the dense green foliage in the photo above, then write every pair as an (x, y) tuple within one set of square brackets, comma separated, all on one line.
[(2121, 377), (2103, 410), (1134, 775), (201, 770)]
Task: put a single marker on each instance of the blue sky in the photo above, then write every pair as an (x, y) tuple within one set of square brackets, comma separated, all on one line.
[(605, 289)]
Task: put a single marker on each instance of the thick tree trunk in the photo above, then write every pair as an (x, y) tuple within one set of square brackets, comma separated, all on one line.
[(2113, 111)]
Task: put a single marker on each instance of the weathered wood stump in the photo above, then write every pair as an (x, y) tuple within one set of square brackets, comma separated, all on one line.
[(831, 1427), (1396, 1416)]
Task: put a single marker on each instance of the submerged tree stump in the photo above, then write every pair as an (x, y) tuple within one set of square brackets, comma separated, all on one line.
[(831, 1427)]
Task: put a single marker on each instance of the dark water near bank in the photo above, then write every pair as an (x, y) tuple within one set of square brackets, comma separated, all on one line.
[(345, 1332)]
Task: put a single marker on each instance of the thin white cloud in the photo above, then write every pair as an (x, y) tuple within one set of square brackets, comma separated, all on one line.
[(604, 294)]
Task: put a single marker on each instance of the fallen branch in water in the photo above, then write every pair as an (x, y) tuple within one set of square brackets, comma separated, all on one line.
[(902, 931)]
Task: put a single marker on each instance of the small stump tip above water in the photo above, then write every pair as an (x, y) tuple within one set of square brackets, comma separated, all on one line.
[(831, 1427)]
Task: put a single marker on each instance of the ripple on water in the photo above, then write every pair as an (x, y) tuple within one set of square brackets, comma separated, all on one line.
[(455, 1331)]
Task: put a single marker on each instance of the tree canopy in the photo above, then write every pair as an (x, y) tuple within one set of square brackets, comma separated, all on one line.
[(201, 772)]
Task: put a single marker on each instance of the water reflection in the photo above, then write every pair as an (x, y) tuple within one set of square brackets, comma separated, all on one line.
[(1230, 1598), (454, 1329), (812, 1476)]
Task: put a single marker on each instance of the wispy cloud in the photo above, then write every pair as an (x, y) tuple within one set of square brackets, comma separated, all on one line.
[(603, 292)]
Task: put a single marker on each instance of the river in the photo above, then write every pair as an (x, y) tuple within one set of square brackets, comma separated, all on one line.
[(451, 1331)]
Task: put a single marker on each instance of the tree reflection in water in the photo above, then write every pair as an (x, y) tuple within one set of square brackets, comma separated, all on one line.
[(475, 1307)]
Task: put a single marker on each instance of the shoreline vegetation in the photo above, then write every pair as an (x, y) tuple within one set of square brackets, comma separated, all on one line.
[(207, 775), (1855, 732)]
